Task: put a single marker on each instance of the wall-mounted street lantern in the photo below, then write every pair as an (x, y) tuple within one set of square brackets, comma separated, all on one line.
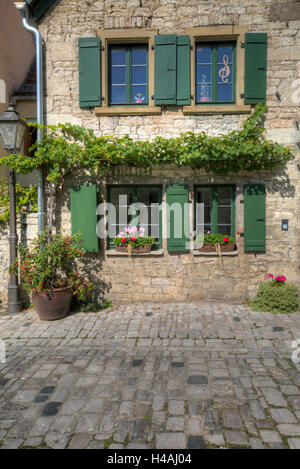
[(12, 131)]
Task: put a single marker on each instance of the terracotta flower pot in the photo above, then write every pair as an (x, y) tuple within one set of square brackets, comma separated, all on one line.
[(134, 250), (213, 247), (53, 305)]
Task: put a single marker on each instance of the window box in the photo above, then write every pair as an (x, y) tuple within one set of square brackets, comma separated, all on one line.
[(135, 250), (213, 247)]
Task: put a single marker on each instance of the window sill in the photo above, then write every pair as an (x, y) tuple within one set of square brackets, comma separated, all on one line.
[(155, 253), (215, 254), (128, 111), (217, 109)]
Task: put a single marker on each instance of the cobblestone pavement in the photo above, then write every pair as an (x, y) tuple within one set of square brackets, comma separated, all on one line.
[(151, 376)]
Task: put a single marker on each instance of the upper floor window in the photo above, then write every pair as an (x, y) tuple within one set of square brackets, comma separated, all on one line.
[(215, 73), (128, 74)]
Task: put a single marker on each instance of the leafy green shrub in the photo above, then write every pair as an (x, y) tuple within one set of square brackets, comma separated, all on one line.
[(276, 297), (211, 238)]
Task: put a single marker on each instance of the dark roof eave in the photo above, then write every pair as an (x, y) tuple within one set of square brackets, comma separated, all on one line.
[(38, 8)]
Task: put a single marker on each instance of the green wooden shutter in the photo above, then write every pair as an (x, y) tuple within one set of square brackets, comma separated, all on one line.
[(183, 71), (83, 215), (89, 57), (255, 217), (255, 68), (177, 222), (165, 69)]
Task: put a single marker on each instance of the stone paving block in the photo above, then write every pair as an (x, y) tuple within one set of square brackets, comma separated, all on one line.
[(214, 440), (12, 443), (194, 426), (95, 405), (80, 441), (175, 424), (270, 436), (87, 423), (196, 442), (256, 443), (176, 407), (236, 437), (282, 416), (72, 407), (170, 441), (289, 429), (274, 397), (294, 443), (57, 440), (158, 417), (41, 426), (231, 418), (33, 442)]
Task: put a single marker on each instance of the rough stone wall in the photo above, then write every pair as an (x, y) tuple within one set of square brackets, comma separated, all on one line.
[(26, 230), (185, 276)]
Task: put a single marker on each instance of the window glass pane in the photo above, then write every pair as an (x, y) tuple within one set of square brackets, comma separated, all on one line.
[(224, 229), (203, 196), (203, 54), (139, 75), (203, 73), (118, 55), (121, 198), (118, 75), (224, 79), (139, 55), (149, 216), (224, 196), (118, 94), (225, 92), (224, 210), (139, 94)]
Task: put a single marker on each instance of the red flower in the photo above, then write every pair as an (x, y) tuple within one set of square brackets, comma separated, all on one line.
[(271, 276), (280, 279), (133, 239), (123, 240), (226, 239)]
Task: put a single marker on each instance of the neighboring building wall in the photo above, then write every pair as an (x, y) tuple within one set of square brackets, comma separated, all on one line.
[(16, 54), (186, 276)]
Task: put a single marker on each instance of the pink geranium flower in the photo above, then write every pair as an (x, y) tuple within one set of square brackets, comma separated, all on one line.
[(133, 239)]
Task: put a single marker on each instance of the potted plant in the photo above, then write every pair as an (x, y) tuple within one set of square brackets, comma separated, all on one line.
[(47, 273), (210, 242), (133, 240)]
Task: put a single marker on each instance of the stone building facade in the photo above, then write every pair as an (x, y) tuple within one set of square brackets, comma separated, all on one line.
[(163, 275)]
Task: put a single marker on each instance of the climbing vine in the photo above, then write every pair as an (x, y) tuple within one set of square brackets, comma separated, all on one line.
[(26, 200), (67, 147)]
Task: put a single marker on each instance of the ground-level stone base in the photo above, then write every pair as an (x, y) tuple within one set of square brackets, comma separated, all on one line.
[(178, 376)]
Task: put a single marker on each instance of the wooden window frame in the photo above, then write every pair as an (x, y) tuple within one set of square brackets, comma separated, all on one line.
[(214, 45), (126, 37), (135, 188), (214, 206), (212, 35)]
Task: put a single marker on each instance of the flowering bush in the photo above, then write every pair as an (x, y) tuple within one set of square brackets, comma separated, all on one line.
[(210, 238), (279, 280), (133, 236), (48, 265), (276, 296)]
